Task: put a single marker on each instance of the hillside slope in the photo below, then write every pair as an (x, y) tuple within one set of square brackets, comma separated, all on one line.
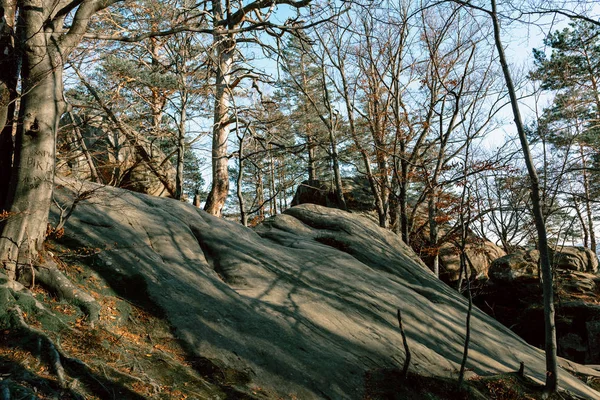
[(303, 306)]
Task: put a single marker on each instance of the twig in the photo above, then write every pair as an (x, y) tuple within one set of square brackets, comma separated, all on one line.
[(406, 349)]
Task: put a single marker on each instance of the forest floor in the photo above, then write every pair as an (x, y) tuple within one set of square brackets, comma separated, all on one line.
[(131, 352)]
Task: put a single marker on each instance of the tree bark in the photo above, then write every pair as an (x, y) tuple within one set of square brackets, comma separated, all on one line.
[(433, 232), (225, 48), (403, 199), (32, 176), (536, 203), (584, 226), (9, 71), (588, 207), (339, 186), (239, 182), (181, 147), (43, 47), (272, 186)]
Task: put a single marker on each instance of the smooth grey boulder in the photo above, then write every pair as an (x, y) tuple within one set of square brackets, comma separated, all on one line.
[(304, 306)]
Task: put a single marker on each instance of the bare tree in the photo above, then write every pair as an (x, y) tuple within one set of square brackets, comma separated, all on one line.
[(536, 203), (46, 39)]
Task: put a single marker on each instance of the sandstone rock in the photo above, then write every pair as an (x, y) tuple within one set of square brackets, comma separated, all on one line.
[(576, 259), (572, 346), (302, 307), (593, 336), (524, 263), (481, 255), (518, 304), (357, 194), (520, 264), (577, 282), (117, 161)]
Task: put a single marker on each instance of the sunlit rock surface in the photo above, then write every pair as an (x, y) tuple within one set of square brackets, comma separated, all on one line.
[(304, 305)]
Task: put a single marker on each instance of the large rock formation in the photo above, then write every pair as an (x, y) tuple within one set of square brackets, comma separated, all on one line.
[(480, 253), (514, 297), (520, 264), (357, 194), (524, 263), (92, 150), (302, 307), (575, 259)]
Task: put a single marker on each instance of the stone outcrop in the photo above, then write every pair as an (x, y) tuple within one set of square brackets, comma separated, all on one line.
[(514, 297), (116, 160), (480, 254), (520, 264), (575, 259), (304, 306), (524, 263), (357, 194)]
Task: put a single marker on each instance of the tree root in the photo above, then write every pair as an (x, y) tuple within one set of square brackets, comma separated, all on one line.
[(4, 390), (55, 359), (56, 355), (18, 290), (132, 378), (48, 274)]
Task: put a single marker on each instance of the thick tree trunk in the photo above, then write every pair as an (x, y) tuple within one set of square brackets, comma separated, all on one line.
[(536, 203), (8, 93), (31, 181), (225, 47)]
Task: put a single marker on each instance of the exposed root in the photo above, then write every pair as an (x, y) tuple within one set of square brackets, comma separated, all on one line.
[(55, 359), (4, 390), (48, 274), (123, 375), (18, 290)]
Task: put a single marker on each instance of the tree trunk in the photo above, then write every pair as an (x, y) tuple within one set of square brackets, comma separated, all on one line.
[(312, 155), (181, 148), (225, 47), (403, 199), (260, 192), (588, 207), (550, 327), (339, 186), (8, 93), (239, 182), (584, 227), (84, 150), (383, 181), (272, 187), (32, 176), (433, 233)]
